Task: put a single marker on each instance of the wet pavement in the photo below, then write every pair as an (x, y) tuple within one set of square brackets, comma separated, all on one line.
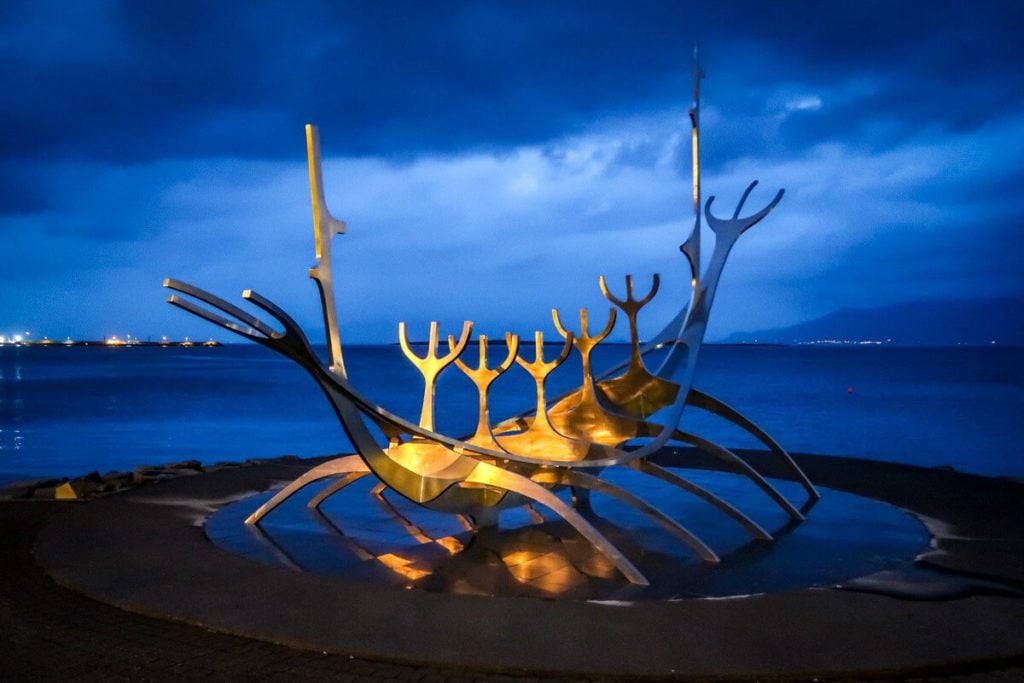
[(52, 633)]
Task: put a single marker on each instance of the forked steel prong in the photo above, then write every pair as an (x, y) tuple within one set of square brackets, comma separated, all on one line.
[(194, 309), (431, 365), (290, 326), (732, 228), (482, 378), (743, 199), (220, 304), (584, 340), (630, 303)]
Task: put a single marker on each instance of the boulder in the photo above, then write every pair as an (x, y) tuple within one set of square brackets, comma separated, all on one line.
[(142, 475), (43, 493), (80, 488), (184, 465), (115, 481), (216, 467), (12, 492)]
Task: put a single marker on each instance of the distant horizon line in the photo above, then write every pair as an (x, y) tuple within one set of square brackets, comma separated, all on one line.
[(211, 343)]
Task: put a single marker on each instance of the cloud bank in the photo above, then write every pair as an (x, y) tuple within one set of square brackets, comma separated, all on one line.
[(491, 161)]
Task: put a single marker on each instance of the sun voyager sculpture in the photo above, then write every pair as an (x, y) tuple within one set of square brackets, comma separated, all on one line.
[(563, 443)]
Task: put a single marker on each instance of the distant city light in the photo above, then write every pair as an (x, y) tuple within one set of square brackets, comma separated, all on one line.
[(127, 340)]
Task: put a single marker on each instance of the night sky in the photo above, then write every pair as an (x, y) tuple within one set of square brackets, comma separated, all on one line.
[(492, 159)]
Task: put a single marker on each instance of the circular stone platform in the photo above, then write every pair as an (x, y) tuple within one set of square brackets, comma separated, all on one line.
[(146, 551), (375, 536)]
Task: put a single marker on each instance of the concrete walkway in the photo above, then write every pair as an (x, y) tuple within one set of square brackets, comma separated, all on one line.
[(142, 550), (49, 633)]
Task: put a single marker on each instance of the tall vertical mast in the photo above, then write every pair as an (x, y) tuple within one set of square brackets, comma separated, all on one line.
[(692, 247), (325, 227)]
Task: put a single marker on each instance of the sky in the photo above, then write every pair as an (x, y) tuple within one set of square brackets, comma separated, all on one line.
[(491, 159)]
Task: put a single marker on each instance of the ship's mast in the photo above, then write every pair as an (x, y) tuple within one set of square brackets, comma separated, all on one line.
[(692, 246)]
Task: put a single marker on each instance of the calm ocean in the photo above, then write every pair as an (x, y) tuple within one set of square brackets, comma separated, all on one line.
[(67, 411)]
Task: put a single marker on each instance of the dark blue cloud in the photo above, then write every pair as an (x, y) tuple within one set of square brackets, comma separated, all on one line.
[(135, 133), (135, 81)]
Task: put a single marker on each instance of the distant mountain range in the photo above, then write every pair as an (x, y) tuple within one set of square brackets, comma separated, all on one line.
[(924, 323)]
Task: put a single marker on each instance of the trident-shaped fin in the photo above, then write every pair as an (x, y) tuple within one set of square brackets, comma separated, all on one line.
[(538, 367), (636, 391), (482, 377), (584, 340), (482, 371), (631, 305), (540, 439), (430, 366), (539, 370)]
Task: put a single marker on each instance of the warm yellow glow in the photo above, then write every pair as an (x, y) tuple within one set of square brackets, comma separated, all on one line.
[(518, 557), (400, 565), (551, 572), (451, 544), (315, 185)]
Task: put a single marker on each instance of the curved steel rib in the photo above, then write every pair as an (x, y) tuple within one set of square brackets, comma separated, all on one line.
[(495, 476), (699, 399), (649, 468), (724, 454), (331, 468), (592, 483), (335, 486)]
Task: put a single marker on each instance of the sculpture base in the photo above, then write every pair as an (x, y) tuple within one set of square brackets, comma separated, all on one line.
[(145, 551), (380, 537)]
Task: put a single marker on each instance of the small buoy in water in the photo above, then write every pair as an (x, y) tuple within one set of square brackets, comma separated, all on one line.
[(849, 390)]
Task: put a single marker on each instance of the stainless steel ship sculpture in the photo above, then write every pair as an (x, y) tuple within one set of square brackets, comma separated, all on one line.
[(565, 443)]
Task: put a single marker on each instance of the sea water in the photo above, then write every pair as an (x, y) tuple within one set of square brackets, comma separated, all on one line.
[(72, 410)]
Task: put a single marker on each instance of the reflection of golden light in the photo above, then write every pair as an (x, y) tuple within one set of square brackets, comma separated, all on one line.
[(518, 557), (558, 581), (400, 565), (551, 572), (451, 544), (588, 561)]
